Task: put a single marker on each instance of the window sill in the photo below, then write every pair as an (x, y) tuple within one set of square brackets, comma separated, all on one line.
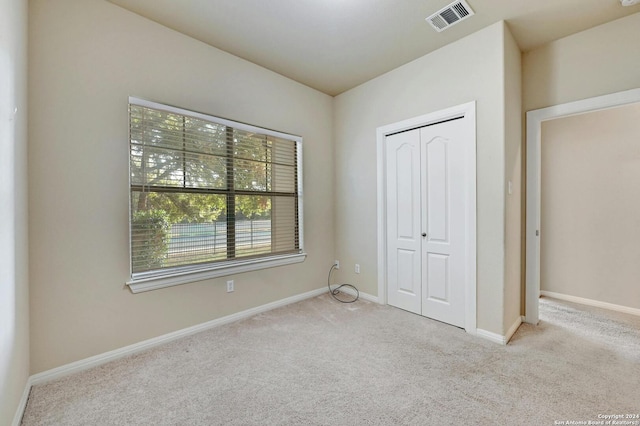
[(143, 283)]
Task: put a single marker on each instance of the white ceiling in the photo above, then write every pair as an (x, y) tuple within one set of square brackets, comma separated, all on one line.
[(334, 45)]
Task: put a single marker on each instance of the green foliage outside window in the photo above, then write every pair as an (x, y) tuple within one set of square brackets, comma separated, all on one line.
[(150, 242)]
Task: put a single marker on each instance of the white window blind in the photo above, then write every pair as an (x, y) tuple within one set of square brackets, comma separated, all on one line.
[(208, 192)]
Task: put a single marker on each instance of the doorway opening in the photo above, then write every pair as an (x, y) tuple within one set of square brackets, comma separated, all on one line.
[(534, 231)]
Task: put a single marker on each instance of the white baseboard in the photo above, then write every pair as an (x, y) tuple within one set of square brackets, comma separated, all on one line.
[(494, 337), (22, 405), (512, 330), (369, 297), (94, 361), (590, 302), (498, 338), (365, 296)]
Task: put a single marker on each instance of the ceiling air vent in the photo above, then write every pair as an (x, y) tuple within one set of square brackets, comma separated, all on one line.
[(450, 15)]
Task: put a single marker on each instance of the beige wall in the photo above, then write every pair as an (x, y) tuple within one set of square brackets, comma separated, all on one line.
[(470, 69), (14, 299), (513, 173), (86, 58), (599, 61), (590, 202)]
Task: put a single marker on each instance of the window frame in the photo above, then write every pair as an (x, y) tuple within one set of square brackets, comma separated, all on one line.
[(151, 280)]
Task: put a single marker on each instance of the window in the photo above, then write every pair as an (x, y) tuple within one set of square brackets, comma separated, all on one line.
[(209, 197)]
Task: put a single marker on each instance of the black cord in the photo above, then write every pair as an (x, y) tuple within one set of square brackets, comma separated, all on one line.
[(337, 291)]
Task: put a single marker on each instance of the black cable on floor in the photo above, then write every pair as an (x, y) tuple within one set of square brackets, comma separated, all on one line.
[(334, 293)]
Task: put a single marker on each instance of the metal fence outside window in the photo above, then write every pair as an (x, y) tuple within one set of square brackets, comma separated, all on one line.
[(212, 237)]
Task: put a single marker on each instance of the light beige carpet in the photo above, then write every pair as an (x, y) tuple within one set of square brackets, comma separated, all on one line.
[(319, 362)]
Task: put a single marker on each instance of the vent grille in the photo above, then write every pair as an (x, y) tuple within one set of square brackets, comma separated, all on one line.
[(462, 11), (450, 15)]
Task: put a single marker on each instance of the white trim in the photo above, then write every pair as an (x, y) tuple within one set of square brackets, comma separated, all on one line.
[(300, 196), (209, 117), (534, 130), (468, 111), (22, 405), (369, 297), (97, 360), (472, 217), (590, 302), (498, 338), (494, 337), (512, 330), (188, 275), (363, 295)]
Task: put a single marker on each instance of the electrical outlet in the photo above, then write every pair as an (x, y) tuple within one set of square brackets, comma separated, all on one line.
[(357, 268), (337, 263), (229, 286)]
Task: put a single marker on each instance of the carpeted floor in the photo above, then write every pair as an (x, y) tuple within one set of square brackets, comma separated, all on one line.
[(319, 362)]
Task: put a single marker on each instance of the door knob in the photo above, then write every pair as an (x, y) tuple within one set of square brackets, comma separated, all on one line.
[(424, 234)]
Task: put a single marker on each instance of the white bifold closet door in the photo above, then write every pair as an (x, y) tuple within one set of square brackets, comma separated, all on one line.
[(426, 226)]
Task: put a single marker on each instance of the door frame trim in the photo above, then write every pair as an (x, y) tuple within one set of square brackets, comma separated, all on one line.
[(534, 165), (468, 111)]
